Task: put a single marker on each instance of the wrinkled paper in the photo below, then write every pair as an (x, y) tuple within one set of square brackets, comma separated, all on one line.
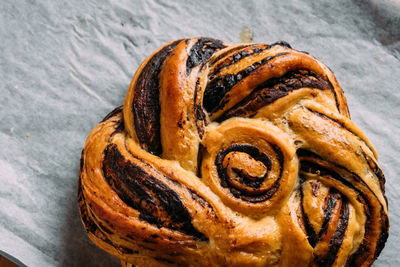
[(66, 64)]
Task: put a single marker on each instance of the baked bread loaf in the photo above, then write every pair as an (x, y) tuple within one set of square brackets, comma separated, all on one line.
[(233, 155)]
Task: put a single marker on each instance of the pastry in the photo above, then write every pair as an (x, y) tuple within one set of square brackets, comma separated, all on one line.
[(233, 155)]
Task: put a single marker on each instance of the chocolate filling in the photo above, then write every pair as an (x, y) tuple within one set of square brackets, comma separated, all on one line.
[(247, 50), (273, 89), (145, 106), (249, 181), (201, 51), (227, 52), (88, 223), (370, 236), (198, 110), (204, 203), (200, 152), (157, 203), (311, 235), (112, 113), (384, 234), (81, 162), (332, 200), (333, 197), (337, 239), (164, 260), (218, 87), (376, 170)]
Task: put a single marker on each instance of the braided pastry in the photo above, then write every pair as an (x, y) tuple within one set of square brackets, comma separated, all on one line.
[(233, 155)]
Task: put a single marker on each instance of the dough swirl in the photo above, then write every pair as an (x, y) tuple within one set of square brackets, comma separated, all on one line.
[(233, 155)]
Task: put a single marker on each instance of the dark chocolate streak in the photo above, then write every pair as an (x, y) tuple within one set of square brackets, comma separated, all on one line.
[(273, 89), (384, 234), (301, 152), (104, 228), (314, 167), (200, 152), (363, 252), (218, 87), (251, 181), (284, 44), (199, 199), (365, 247), (150, 166), (146, 106), (337, 239), (344, 127), (164, 260), (333, 197), (86, 216), (257, 155), (313, 237), (157, 203), (254, 182), (376, 170), (81, 162), (248, 51), (126, 250), (201, 51), (198, 110), (204, 203), (112, 113), (88, 223), (227, 52)]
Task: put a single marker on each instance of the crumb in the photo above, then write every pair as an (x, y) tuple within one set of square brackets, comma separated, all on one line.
[(27, 135), (246, 36)]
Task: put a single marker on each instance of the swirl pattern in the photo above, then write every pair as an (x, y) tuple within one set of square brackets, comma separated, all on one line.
[(233, 155)]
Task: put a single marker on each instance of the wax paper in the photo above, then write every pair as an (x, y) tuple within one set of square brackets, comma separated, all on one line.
[(66, 64)]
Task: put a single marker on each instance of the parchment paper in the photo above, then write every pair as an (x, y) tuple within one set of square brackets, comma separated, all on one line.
[(66, 64)]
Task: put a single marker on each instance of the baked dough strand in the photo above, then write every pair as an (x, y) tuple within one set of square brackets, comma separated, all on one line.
[(233, 155)]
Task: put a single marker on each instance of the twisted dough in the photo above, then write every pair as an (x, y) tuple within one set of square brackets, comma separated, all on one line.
[(233, 155)]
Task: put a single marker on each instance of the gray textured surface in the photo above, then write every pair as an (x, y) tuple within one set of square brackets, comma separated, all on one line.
[(65, 65)]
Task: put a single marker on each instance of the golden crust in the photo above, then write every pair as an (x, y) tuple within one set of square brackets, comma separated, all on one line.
[(233, 155)]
